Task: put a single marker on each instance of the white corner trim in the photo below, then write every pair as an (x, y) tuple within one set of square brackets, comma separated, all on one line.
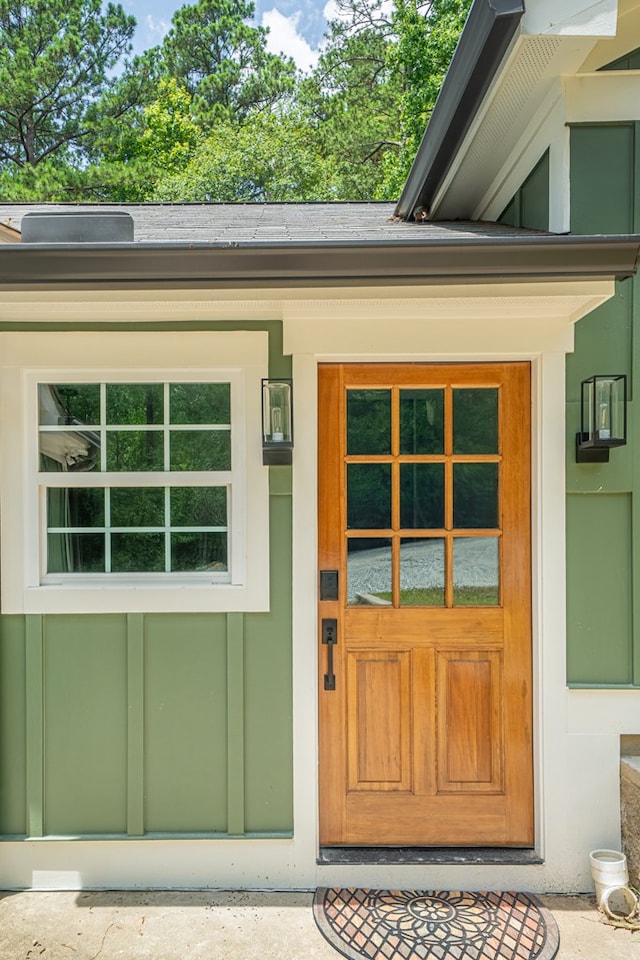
[(602, 97), (602, 712)]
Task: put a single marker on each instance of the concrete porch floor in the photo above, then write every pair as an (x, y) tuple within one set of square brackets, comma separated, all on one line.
[(227, 925)]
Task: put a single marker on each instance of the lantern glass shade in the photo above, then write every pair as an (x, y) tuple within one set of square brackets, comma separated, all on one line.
[(603, 419), (277, 421)]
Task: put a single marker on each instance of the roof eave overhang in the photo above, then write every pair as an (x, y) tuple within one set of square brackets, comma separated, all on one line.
[(487, 35), (414, 260)]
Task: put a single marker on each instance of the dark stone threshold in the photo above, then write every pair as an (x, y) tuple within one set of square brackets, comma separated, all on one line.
[(429, 855)]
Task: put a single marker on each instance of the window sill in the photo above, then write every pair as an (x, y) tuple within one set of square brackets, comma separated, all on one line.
[(144, 598)]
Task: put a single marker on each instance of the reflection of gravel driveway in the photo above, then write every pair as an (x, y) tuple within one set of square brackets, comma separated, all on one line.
[(475, 565)]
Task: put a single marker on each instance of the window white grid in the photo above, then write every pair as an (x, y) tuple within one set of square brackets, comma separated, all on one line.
[(166, 479), (167, 529)]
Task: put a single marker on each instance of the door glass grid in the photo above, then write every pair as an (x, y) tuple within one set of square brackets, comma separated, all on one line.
[(423, 496)]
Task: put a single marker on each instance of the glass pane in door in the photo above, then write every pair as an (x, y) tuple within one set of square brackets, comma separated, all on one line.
[(369, 571), (421, 572), (475, 420), (368, 422)]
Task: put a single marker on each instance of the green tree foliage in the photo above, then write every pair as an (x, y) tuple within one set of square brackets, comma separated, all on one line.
[(222, 60), (352, 97), (211, 114), (270, 158), (55, 63), (426, 37), (375, 86), (158, 144)]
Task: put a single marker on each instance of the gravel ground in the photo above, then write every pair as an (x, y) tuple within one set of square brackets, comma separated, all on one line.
[(422, 565)]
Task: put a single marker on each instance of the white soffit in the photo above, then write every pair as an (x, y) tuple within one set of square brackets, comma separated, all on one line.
[(567, 300), (494, 319), (556, 38)]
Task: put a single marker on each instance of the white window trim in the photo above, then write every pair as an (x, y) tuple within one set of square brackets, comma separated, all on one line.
[(27, 359)]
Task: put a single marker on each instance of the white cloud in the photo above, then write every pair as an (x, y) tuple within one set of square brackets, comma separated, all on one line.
[(284, 38), (155, 29), (331, 11)]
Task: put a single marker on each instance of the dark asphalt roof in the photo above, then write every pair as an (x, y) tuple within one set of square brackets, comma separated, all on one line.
[(279, 222), (300, 244)]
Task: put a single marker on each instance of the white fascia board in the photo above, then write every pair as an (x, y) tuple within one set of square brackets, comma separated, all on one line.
[(604, 97), (571, 18)]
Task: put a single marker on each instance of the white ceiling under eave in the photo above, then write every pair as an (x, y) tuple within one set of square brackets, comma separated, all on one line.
[(557, 38)]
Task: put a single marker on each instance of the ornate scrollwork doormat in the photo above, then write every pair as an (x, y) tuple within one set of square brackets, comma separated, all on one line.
[(435, 925)]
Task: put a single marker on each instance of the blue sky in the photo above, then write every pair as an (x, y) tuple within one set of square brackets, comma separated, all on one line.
[(296, 26)]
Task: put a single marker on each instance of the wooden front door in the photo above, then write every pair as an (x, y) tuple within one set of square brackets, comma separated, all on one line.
[(425, 609)]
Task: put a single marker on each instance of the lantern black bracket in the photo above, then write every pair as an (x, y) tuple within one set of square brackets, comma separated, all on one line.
[(603, 417), (277, 422), (590, 454)]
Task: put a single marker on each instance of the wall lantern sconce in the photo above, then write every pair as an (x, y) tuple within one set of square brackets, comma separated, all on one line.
[(277, 422), (603, 417)]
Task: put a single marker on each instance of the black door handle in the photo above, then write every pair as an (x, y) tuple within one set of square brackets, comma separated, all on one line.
[(330, 638)]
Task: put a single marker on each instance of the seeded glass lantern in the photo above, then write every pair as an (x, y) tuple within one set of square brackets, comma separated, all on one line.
[(603, 417), (277, 422)]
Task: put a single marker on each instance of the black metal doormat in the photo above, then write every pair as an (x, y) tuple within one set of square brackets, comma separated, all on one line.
[(435, 925)]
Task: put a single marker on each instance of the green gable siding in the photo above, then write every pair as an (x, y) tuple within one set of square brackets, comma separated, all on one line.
[(529, 207), (603, 529), (149, 724)]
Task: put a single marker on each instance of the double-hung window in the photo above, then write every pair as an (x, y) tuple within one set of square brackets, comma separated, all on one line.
[(141, 485), (136, 479)]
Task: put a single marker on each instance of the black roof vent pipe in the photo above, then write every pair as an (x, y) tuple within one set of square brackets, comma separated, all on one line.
[(77, 226)]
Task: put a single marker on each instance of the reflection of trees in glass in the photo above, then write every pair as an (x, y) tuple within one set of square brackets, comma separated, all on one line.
[(135, 403), (81, 401), (137, 506), (198, 507), (200, 450), (421, 421), (135, 450), (199, 551), (475, 495), (422, 496), (368, 496), (200, 403), (368, 422), (475, 420)]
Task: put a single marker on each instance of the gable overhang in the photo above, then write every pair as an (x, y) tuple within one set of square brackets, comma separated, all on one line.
[(488, 33), (462, 155), (268, 265)]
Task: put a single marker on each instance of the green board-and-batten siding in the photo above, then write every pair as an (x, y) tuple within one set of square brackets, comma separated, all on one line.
[(603, 522), (529, 207), (149, 724)]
